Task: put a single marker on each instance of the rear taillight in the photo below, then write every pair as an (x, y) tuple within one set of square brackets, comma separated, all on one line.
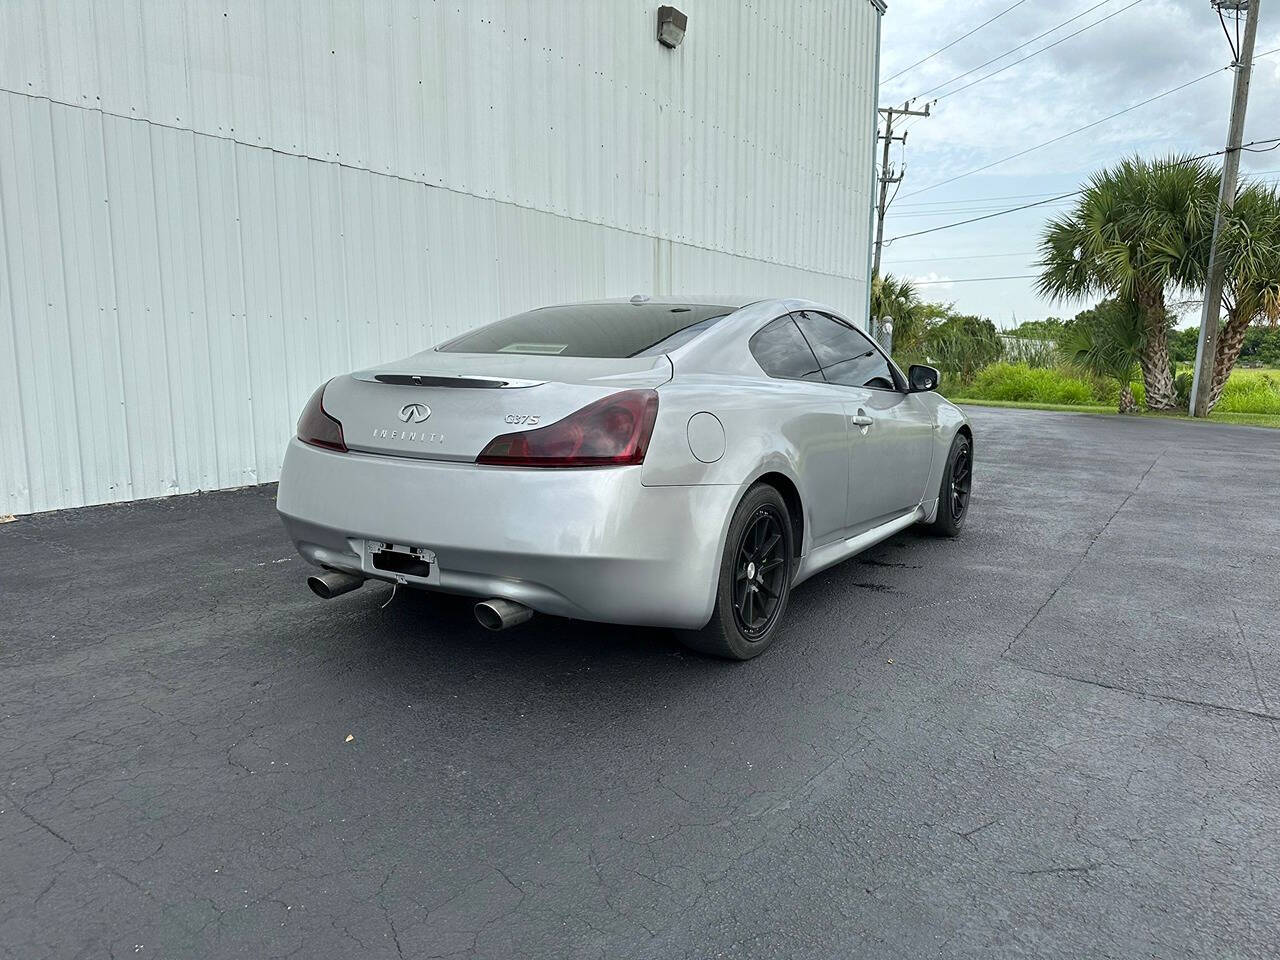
[(315, 426), (613, 431)]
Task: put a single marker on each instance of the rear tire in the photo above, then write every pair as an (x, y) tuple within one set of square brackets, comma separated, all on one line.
[(955, 489), (754, 580)]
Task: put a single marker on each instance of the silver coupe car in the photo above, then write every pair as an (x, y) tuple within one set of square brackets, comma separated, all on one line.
[(679, 463)]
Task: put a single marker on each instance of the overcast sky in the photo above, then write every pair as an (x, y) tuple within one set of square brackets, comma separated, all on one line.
[(1142, 51)]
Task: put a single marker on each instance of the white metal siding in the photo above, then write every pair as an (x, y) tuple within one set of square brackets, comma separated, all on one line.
[(205, 210)]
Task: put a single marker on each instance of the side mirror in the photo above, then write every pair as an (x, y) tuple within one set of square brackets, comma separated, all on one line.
[(922, 379)]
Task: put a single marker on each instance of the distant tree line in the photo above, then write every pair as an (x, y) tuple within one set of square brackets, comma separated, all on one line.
[(1259, 348)]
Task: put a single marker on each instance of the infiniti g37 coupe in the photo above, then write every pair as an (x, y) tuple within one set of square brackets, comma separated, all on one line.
[(646, 461)]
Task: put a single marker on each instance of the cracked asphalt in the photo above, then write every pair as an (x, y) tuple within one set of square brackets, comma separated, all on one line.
[(1054, 737)]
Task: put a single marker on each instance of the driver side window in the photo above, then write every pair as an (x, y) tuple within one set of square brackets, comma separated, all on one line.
[(846, 355)]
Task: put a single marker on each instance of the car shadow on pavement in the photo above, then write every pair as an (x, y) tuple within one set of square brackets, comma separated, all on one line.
[(418, 630), (415, 631)]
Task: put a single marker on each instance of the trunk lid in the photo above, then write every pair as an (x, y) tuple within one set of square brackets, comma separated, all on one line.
[(448, 406)]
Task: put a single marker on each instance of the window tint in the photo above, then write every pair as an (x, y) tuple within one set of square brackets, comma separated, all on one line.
[(782, 352), (677, 339), (592, 330), (846, 355)]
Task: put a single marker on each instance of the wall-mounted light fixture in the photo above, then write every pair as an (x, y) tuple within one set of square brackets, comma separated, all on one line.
[(671, 26)]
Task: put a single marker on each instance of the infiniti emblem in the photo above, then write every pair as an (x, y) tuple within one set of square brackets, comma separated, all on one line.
[(414, 412)]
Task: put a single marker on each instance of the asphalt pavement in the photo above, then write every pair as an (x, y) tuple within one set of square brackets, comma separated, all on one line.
[(1057, 736)]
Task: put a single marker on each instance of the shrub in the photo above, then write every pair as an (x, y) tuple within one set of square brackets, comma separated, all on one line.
[(1018, 382), (1106, 392), (1182, 382), (1106, 343)]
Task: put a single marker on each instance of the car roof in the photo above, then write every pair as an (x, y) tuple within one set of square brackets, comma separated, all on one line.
[(729, 301)]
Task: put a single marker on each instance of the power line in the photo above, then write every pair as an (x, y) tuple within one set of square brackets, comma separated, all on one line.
[(1069, 133), (1016, 276), (1040, 203), (1010, 196), (974, 256), (915, 214), (999, 213), (1088, 126), (1025, 253), (1256, 174), (1034, 53), (1039, 36), (1015, 253), (955, 41), (1233, 44)]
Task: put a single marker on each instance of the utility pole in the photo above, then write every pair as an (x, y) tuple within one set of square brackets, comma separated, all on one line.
[(1207, 346), (887, 176)]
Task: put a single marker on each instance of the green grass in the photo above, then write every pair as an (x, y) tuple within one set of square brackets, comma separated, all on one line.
[(1271, 420), (1033, 405), (1226, 416), (1249, 392)]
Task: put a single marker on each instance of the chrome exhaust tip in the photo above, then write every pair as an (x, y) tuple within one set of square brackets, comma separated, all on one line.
[(498, 614), (332, 584)]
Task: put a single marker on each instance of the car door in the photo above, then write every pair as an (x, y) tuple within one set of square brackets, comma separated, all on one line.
[(890, 431), (813, 422)]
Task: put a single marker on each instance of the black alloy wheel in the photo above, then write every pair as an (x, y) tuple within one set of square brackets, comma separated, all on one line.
[(955, 490), (758, 575), (961, 482), (753, 582)]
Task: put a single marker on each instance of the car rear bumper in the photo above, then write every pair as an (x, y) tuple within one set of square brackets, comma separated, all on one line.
[(594, 544)]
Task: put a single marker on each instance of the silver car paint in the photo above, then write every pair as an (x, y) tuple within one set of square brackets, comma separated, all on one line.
[(594, 544), (628, 544), (463, 420)]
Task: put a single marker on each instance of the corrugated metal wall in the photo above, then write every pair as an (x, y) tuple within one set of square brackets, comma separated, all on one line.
[(207, 209)]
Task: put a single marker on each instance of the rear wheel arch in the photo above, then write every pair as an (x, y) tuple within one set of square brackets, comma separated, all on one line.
[(795, 506), (735, 629)]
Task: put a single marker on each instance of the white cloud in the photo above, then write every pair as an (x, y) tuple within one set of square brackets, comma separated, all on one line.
[(931, 284), (1138, 53)]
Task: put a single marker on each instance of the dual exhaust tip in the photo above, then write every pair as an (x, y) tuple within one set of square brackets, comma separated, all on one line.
[(498, 614), (493, 614), (332, 584)]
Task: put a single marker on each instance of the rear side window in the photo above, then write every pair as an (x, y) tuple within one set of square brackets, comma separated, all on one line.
[(846, 355), (782, 352), (592, 330)]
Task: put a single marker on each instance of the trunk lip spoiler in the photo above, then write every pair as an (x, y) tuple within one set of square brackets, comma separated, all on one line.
[(395, 379)]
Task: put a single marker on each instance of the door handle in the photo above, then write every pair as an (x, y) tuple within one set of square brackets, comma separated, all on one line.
[(862, 421)]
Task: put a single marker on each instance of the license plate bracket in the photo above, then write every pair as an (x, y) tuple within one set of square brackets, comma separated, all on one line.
[(401, 562)]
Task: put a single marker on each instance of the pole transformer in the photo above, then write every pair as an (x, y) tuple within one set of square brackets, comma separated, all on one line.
[(887, 176)]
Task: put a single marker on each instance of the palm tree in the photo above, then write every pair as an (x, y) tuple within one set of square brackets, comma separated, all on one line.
[(1139, 229), (898, 298), (1250, 244), (1107, 341)]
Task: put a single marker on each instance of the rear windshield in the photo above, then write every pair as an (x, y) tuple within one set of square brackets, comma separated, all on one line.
[(593, 330)]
